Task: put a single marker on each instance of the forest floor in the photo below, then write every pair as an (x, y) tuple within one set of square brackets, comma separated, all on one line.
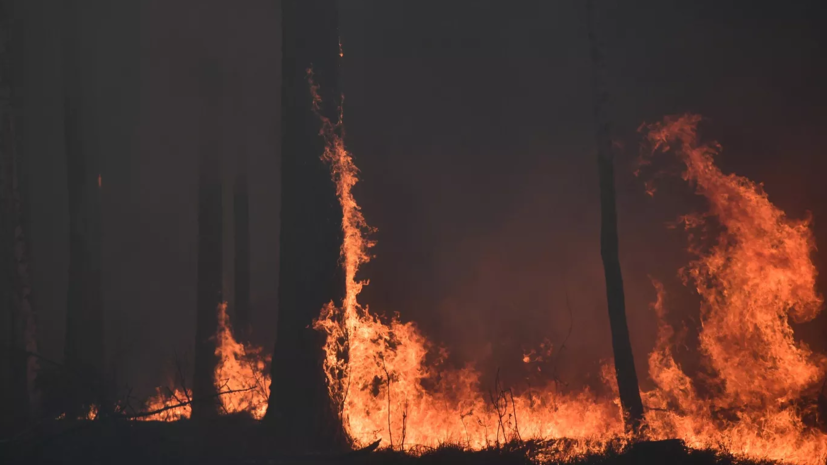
[(241, 440)]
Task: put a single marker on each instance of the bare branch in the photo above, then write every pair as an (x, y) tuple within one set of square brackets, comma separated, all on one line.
[(388, 375), (181, 404)]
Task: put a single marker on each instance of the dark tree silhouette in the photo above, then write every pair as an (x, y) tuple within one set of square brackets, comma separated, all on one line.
[(624, 360), (84, 346), (210, 245), (310, 273), (17, 319), (241, 235)]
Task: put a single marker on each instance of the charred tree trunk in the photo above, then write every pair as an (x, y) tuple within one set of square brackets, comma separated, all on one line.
[(624, 360), (84, 346), (210, 249), (16, 311), (310, 273), (241, 213)]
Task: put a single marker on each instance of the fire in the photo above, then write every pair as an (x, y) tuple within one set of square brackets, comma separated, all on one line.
[(391, 383), (756, 276), (241, 371), (241, 380)]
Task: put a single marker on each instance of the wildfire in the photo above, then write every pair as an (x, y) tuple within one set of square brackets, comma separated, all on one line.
[(756, 276), (240, 379), (391, 383)]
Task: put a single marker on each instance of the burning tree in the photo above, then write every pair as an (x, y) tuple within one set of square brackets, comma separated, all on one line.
[(310, 274)]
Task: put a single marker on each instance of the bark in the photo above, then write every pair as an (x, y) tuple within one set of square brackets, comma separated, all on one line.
[(84, 347), (210, 247), (609, 250), (310, 273), (17, 370)]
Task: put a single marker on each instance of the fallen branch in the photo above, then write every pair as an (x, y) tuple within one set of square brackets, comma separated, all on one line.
[(180, 404)]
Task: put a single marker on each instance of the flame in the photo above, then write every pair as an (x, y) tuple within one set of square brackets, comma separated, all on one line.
[(755, 277), (390, 383), (90, 414), (241, 371), (241, 380), (170, 405)]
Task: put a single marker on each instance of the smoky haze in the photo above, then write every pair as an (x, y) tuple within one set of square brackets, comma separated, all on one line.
[(472, 125)]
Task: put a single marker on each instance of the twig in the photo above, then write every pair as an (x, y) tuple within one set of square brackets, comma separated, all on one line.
[(404, 425), (514, 409), (496, 404), (181, 404), (467, 436), (181, 378), (119, 408), (388, 375)]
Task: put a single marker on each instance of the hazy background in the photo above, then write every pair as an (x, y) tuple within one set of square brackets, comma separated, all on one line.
[(472, 124)]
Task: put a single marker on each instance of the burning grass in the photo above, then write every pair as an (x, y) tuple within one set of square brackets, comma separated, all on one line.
[(391, 384), (241, 379)]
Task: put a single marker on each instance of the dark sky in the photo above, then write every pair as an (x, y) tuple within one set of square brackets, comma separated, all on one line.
[(472, 124)]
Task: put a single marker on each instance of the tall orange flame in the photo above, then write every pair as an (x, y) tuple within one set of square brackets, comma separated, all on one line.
[(391, 383), (757, 275)]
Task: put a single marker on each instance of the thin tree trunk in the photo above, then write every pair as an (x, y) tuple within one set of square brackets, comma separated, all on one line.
[(210, 248), (18, 338), (241, 211), (84, 347), (624, 360), (310, 273)]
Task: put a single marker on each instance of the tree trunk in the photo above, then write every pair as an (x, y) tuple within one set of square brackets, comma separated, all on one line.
[(84, 347), (210, 247), (16, 311), (241, 211), (310, 273), (624, 360)]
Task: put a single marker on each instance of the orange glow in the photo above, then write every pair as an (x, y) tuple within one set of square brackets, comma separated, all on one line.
[(241, 369), (756, 276), (377, 370), (391, 383), (91, 414), (240, 378)]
